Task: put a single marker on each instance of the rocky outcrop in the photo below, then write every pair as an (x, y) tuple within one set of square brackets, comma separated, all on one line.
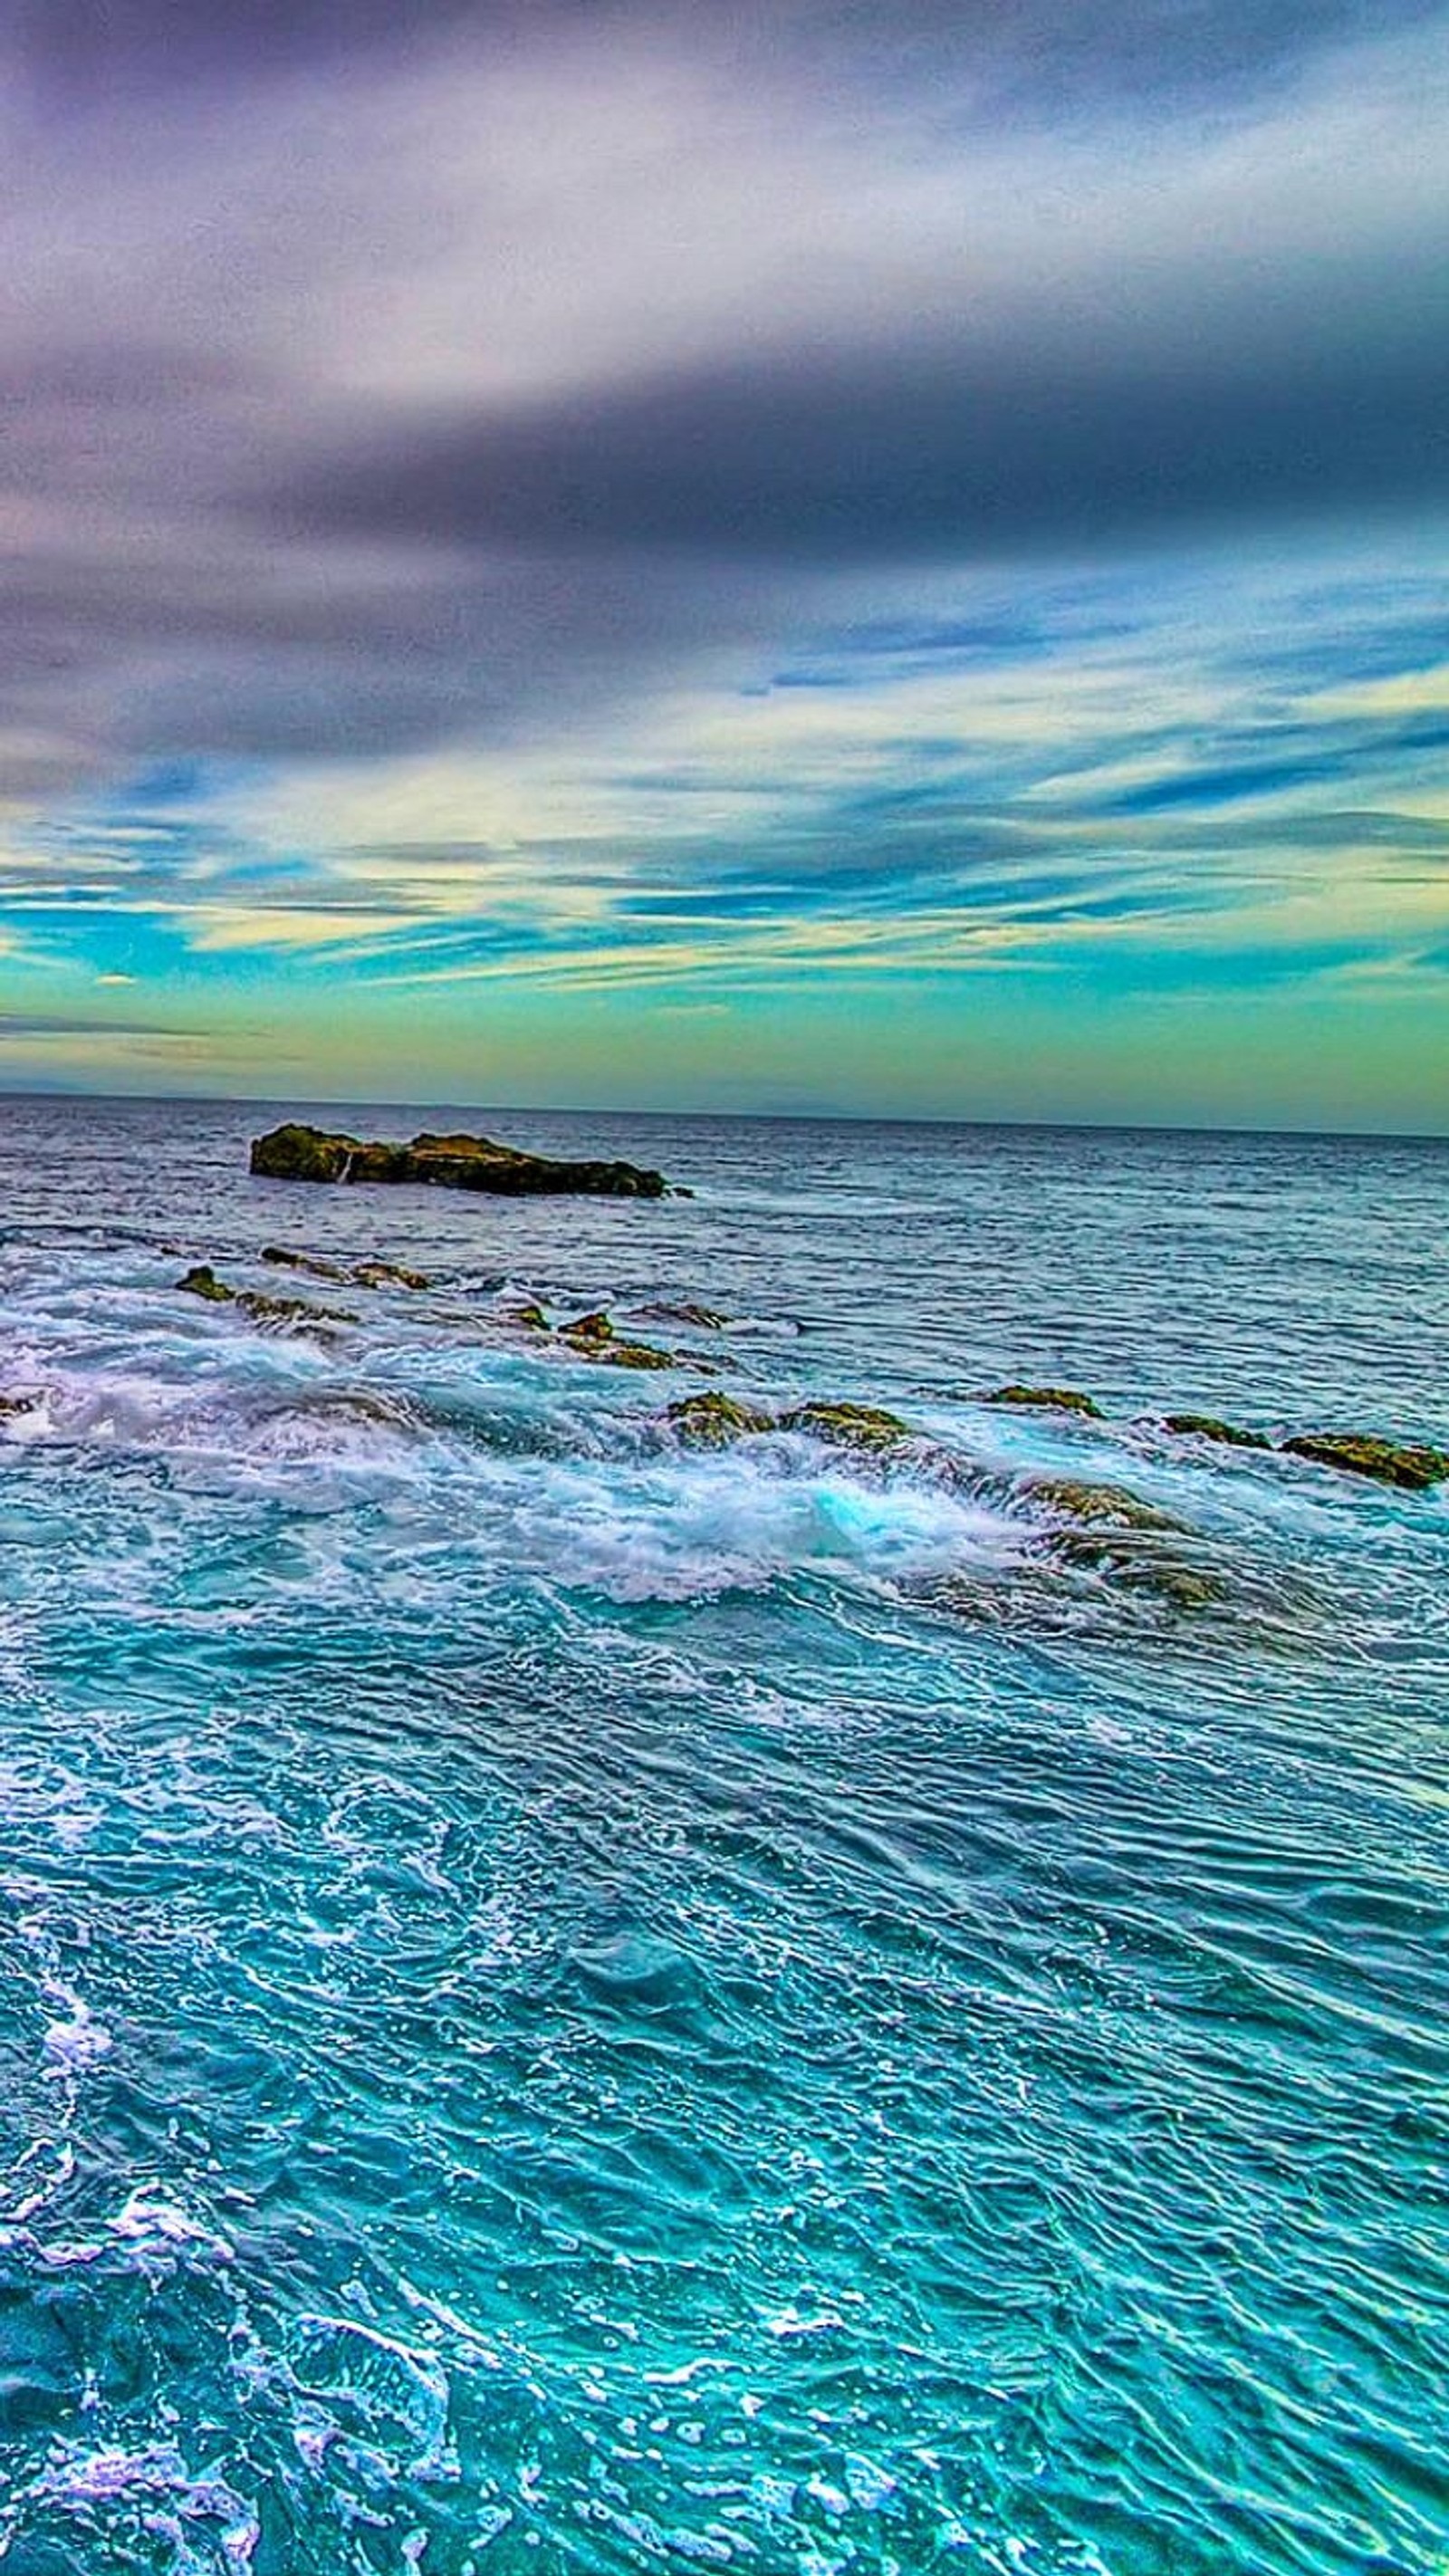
[(363, 1274), (712, 1420), (1412, 1464), (849, 1426), (1047, 1399), (284, 1314), (299, 1153), (1206, 1426)]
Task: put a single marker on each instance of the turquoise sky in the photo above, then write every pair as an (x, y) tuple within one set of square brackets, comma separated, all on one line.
[(554, 568)]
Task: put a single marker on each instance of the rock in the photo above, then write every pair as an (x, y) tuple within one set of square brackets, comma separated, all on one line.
[(1140, 1562), (633, 1355), (712, 1421), (1047, 1399), (1109, 1506), (27, 1401), (531, 1317), (285, 1313), (280, 1258), (853, 1426), (588, 1328), (1206, 1426), (1414, 1465), (300, 1153), (201, 1281), (387, 1274), (701, 1319)]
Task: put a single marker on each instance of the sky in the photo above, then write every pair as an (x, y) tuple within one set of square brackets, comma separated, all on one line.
[(802, 557)]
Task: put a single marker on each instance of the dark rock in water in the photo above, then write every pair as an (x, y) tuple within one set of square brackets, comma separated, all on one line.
[(1206, 1426), (283, 1312), (588, 1328), (201, 1281), (26, 1401), (282, 1259), (387, 1274), (701, 1319), (298, 1153), (1047, 1399), (1109, 1506), (1414, 1465), (854, 1426), (531, 1317), (633, 1355), (712, 1421)]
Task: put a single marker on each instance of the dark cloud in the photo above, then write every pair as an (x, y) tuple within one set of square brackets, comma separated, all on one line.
[(922, 452), (1026, 50)]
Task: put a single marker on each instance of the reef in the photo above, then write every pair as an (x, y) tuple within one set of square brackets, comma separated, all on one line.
[(299, 1153)]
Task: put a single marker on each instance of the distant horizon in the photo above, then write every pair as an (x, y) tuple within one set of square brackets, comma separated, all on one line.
[(733, 1117)]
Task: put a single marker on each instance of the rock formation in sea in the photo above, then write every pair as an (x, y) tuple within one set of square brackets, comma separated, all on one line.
[(299, 1153)]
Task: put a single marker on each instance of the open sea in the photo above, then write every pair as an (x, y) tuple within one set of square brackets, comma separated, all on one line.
[(572, 2002)]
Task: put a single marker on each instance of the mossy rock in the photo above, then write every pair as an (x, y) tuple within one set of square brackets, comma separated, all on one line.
[(588, 1328), (387, 1274), (299, 1153), (1047, 1399), (201, 1281), (634, 1355), (281, 1259), (531, 1317), (1105, 1506), (712, 1421), (1413, 1465), (1206, 1426), (287, 1314), (851, 1426)]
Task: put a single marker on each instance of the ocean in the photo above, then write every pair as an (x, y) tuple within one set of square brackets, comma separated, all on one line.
[(573, 2001)]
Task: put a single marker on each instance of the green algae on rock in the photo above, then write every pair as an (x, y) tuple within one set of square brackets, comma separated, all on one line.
[(1047, 1399), (1411, 1464), (711, 1420), (1111, 1506), (201, 1281), (588, 1328), (294, 1152), (1206, 1426), (853, 1426)]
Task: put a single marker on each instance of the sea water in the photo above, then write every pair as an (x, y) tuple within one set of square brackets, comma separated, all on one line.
[(575, 2002)]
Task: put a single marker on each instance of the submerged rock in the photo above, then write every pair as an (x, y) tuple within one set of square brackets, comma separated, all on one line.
[(281, 1259), (387, 1274), (1112, 1506), (712, 1421), (853, 1426), (1047, 1399), (1413, 1465), (700, 1319), (1206, 1426), (286, 1312), (299, 1153)]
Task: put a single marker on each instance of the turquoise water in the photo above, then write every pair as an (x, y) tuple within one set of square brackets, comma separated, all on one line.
[(573, 2004)]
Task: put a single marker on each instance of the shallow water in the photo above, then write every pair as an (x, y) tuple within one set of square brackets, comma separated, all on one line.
[(574, 2003)]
